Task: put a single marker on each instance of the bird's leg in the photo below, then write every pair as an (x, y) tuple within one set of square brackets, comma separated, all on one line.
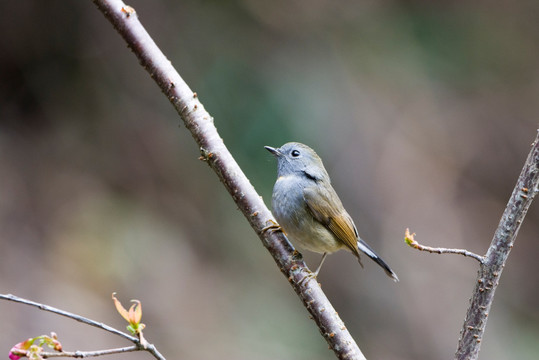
[(320, 265), (313, 275)]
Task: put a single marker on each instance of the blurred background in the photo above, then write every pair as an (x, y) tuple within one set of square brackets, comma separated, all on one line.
[(422, 113)]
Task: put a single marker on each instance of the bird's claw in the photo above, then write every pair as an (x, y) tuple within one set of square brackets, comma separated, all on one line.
[(272, 227), (310, 275)]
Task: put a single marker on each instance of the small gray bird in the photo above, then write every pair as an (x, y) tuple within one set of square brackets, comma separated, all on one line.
[(309, 210)]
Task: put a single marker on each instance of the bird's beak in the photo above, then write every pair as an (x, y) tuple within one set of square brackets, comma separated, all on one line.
[(274, 151)]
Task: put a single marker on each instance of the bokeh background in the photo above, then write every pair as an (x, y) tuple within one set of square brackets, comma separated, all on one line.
[(423, 114)]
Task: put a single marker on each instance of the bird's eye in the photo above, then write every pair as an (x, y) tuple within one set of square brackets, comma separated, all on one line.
[(295, 153)]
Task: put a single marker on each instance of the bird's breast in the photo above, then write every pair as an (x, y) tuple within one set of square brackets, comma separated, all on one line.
[(290, 210)]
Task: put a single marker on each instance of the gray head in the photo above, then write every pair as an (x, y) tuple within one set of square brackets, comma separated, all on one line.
[(297, 158)]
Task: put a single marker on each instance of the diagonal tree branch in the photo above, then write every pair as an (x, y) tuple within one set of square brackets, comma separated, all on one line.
[(215, 153), (86, 354), (67, 314), (491, 268)]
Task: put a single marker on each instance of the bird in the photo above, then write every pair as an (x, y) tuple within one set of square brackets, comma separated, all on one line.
[(308, 209)]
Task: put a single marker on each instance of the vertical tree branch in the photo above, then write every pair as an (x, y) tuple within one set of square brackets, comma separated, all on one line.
[(494, 261), (215, 153)]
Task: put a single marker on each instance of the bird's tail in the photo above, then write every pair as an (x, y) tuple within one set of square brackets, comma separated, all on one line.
[(364, 247)]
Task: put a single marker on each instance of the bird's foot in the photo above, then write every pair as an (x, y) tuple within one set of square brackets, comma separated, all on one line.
[(272, 227), (310, 276)]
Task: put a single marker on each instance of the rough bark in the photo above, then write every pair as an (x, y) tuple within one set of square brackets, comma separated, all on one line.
[(491, 268), (214, 152)]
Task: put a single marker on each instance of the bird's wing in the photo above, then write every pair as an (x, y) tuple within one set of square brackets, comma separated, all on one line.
[(335, 218), (331, 214)]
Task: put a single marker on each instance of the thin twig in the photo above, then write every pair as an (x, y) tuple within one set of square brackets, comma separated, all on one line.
[(410, 241), (85, 354), (488, 277), (141, 345), (71, 316), (216, 155)]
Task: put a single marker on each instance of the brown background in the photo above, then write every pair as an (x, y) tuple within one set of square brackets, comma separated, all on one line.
[(422, 113)]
